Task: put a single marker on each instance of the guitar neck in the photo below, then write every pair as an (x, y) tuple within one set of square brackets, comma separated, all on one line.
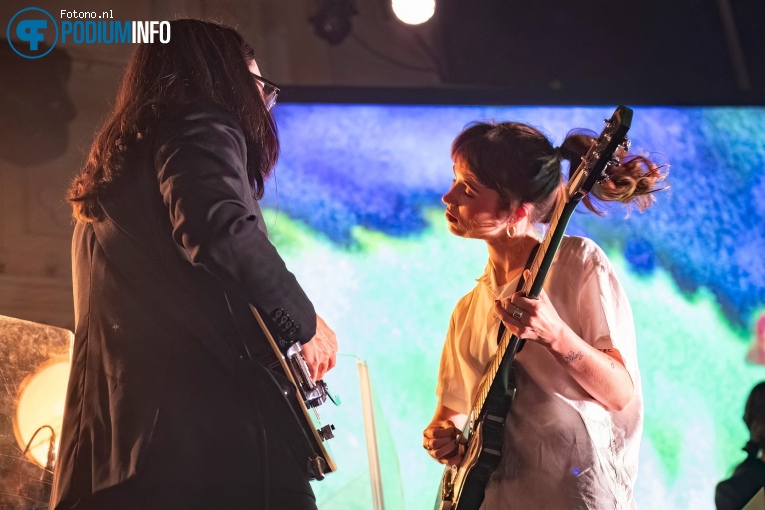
[(590, 170), (510, 344), (542, 262)]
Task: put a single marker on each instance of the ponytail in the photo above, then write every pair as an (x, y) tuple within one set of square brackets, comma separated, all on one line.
[(632, 181)]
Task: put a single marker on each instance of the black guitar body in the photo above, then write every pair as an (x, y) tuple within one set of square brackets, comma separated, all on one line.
[(463, 486)]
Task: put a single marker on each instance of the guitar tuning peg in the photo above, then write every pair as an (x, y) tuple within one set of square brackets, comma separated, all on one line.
[(614, 161), (607, 122), (626, 144)]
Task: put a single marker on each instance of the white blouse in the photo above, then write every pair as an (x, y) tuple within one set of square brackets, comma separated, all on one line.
[(562, 450)]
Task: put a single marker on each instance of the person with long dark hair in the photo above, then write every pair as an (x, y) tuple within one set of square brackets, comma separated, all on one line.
[(749, 477), (572, 434), (169, 250)]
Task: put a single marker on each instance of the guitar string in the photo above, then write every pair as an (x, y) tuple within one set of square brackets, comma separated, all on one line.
[(488, 377)]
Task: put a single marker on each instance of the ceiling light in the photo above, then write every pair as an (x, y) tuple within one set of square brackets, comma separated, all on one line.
[(414, 12)]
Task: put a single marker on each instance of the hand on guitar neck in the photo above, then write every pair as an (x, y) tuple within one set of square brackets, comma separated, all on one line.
[(321, 351), (531, 319), (592, 366)]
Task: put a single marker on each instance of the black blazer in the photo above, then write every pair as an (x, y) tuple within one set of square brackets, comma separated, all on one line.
[(186, 251), (747, 480)]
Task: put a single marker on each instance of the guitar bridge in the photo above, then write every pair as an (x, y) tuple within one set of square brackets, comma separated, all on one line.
[(314, 393)]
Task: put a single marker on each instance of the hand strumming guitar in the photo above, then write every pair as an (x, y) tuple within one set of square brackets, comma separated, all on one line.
[(442, 442), (320, 353)]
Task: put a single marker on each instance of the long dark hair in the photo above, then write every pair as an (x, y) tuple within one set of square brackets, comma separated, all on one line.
[(519, 162), (203, 60)]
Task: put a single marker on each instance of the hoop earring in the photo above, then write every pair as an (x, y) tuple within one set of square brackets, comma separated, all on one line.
[(510, 231)]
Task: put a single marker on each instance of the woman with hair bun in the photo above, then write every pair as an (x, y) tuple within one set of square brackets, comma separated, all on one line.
[(572, 434), (749, 476)]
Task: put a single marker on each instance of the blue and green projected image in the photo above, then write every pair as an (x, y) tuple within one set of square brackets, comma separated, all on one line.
[(355, 210)]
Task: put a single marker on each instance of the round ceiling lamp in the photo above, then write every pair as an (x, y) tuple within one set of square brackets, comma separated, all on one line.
[(40, 412), (414, 12)]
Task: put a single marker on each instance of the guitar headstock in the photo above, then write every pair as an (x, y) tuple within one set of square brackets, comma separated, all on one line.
[(601, 154)]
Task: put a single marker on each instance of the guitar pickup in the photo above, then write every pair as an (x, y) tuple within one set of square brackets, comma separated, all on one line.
[(300, 368), (314, 393)]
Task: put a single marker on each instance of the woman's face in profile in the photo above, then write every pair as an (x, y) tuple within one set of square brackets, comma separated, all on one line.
[(473, 210)]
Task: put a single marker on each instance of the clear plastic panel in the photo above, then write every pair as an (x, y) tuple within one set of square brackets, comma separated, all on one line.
[(368, 475)]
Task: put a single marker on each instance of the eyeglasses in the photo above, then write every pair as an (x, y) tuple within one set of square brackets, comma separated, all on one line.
[(269, 90)]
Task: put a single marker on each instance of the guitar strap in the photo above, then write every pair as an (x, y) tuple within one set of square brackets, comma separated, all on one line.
[(501, 331), (521, 283)]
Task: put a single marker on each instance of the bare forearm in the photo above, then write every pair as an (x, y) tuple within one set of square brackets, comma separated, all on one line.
[(599, 374), (444, 413)]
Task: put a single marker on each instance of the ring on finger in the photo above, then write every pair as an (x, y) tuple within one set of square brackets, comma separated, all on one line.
[(517, 314)]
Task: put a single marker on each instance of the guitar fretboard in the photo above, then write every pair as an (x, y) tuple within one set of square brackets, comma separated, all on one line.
[(589, 168), (490, 372)]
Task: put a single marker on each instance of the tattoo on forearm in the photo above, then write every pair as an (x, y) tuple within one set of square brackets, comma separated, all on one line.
[(614, 354), (571, 356)]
